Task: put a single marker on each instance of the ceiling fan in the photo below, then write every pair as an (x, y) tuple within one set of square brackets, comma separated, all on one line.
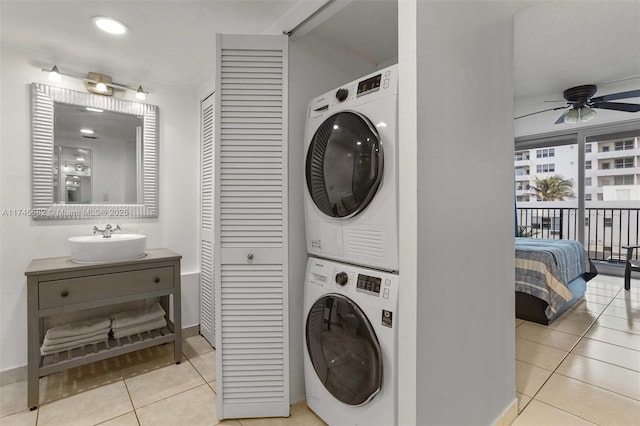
[(580, 103)]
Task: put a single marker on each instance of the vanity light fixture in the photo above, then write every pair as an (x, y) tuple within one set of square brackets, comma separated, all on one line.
[(87, 131), (94, 109), (97, 83), (110, 25), (140, 94), (54, 74)]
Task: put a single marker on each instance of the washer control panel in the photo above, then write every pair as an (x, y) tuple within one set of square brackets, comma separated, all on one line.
[(369, 284)]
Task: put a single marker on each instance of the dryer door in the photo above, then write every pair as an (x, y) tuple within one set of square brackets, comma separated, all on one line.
[(344, 349), (344, 164)]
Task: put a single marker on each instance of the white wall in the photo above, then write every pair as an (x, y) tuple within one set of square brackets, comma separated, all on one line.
[(315, 67), (24, 239), (465, 367)]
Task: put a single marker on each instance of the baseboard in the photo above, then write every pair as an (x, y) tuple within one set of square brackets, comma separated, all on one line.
[(509, 415), (18, 374)]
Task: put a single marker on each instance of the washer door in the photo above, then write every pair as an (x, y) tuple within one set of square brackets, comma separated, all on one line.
[(344, 164), (344, 350)]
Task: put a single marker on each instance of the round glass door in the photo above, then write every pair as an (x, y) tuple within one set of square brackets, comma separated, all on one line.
[(344, 350), (344, 164)]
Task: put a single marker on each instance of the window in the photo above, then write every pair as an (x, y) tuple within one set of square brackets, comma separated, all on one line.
[(623, 145), (608, 221), (545, 168), (605, 149), (586, 221), (587, 165), (587, 147), (605, 166), (546, 152), (522, 198), (587, 181), (624, 163), (522, 155), (623, 180), (587, 197)]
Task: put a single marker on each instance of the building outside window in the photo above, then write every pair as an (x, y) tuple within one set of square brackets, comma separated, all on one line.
[(546, 152), (587, 181), (624, 163), (545, 168), (623, 145), (587, 165), (587, 147), (623, 180)]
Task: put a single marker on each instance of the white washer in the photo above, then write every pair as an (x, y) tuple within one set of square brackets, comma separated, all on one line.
[(351, 196), (351, 340)]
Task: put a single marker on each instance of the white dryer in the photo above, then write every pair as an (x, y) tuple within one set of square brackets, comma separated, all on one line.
[(351, 340), (351, 196)]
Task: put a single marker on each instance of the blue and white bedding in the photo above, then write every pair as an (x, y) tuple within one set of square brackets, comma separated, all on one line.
[(545, 267)]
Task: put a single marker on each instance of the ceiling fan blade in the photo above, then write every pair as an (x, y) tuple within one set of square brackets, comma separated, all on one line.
[(560, 119), (614, 96), (617, 106), (538, 112)]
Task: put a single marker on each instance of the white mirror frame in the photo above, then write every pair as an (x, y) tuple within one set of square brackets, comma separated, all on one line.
[(43, 98)]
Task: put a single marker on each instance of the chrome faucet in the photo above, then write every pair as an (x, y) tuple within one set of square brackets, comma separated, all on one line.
[(107, 231)]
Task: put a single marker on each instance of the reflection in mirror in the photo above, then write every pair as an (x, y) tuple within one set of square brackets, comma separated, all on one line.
[(111, 175), (92, 156)]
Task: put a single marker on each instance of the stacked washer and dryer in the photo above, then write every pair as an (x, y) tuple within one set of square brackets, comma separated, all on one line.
[(351, 285)]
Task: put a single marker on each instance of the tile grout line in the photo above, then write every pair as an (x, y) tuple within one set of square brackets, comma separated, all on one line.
[(135, 413), (567, 354)]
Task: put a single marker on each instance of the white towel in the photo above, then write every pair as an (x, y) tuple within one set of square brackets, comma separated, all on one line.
[(139, 328), (137, 316), (78, 328), (61, 340), (48, 350)]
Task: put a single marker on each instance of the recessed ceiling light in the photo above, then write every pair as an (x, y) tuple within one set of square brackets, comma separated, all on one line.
[(86, 131), (109, 25), (94, 109)]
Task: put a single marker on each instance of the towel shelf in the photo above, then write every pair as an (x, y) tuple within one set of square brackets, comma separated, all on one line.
[(56, 285)]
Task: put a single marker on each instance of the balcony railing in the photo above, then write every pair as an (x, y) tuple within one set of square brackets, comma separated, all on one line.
[(606, 230)]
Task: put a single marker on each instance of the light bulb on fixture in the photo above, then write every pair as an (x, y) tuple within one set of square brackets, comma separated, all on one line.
[(587, 114), (100, 85), (54, 74), (572, 116), (140, 94)]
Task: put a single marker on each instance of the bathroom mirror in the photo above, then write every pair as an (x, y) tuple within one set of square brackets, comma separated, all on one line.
[(92, 156)]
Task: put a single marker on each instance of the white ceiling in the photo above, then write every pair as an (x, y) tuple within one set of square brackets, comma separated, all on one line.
[(558, 44)]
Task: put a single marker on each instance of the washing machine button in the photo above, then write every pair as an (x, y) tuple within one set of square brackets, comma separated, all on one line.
[(385, 293), (387, 282), (386, 83)]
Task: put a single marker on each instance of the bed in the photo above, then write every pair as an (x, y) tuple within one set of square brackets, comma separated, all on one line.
[(551, 276)]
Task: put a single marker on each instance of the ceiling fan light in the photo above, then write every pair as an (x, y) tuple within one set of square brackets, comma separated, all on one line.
[(587, 114), (572, 116)]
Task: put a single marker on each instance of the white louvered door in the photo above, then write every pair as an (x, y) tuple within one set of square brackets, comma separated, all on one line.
[(207, 291), (251, 270)]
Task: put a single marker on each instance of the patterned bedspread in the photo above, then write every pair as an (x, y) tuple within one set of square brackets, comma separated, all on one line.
[(545, 267)]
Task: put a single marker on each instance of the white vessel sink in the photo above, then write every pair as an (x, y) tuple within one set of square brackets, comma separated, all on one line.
[(97, 249)]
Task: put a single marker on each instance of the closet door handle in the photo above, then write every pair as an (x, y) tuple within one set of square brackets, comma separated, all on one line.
[(64, 293)]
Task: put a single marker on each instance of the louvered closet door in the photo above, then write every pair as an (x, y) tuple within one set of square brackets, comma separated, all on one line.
[(251, 226), (207, 291)]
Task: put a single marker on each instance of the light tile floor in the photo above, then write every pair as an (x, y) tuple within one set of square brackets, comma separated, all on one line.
[(584, 368), (141, 388)]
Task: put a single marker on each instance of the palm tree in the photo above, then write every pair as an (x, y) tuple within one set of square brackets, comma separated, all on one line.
[(553, 188)]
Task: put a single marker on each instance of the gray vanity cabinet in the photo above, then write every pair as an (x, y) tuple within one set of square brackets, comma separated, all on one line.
[(58, 286)]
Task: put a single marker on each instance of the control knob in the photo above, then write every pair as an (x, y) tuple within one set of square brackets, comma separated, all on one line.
[(342, 94), (342, 278)]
